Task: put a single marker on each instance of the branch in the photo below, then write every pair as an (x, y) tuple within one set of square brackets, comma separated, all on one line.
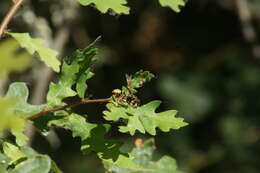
[(9, 16), (83, 101), (249, 32)]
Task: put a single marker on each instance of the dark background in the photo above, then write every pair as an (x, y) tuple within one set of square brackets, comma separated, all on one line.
[(206, 61)]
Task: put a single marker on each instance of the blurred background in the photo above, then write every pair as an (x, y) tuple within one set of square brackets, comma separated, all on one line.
[(207, 65)]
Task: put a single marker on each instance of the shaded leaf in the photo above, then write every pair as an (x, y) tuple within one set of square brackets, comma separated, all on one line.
[(143, 158), (107, 150), (93, 140), (32, 45), (86, 59)]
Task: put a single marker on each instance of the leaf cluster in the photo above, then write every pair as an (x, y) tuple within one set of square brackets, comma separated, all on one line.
[(123, 107), (119, 6)]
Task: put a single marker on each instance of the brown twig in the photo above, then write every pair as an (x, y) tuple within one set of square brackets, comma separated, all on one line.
[(83, 101), (9, 16)]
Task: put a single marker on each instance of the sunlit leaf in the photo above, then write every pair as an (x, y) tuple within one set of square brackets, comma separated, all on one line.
[(9, 120), (12, 151), (10, 59), (32, 45), (144, 118), (173, 4), (118, 6)]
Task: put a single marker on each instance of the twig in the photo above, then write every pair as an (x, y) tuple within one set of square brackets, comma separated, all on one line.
[(83, 101), (246, 20), (249, 32), (9, 16)]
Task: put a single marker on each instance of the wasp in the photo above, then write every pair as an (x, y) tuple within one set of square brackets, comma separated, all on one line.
[(125, 99)]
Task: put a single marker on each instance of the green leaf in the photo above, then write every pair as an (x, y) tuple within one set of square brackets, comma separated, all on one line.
[(77, 124), (173, 4), (92, 137), (118, 6), (81, 84), (37, 164), (143, 158), (10, 61), (96, 142), (20, 138), (57, 92), (86, 59), (144, 118), (91, 134), (9, 120), (122, 162), (75, 71), (32, 45), (20, 92), (107, 150), (12, 151)]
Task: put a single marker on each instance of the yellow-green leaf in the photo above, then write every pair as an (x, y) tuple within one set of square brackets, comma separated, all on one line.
[(10, 60), (173, 4), (12, 151), (8, 120), (32, 45), (118, 6), (144, 118)]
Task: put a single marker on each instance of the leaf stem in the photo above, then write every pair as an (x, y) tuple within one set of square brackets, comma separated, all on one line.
[(9, 16), (82, 101)]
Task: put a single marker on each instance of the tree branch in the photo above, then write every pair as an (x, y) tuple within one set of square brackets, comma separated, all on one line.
[(82, 101), (9, 16)]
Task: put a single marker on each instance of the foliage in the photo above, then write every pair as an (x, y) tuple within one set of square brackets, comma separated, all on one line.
[(118, 6), (142, 155), (24, 160), (74, 73), (143, 118), (173, 4), (32, 45), (124, 108), (10, 59)]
